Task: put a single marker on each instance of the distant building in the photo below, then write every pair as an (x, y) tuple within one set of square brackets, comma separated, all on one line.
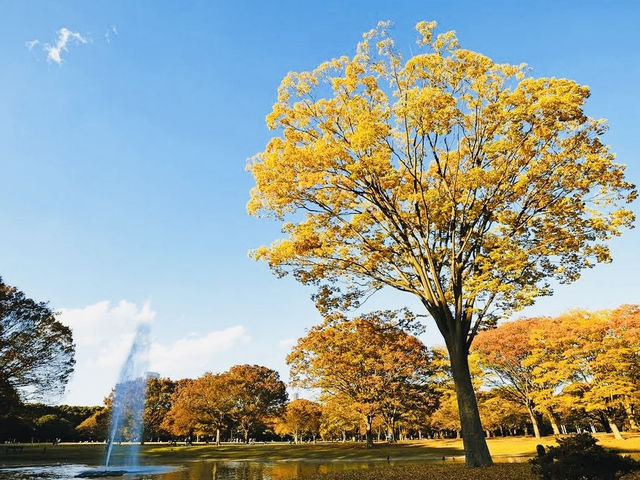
[(152, 375)]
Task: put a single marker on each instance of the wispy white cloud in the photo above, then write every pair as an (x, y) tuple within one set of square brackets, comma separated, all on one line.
[(103, 333), (32, 43), (65, 36), (112, 31)]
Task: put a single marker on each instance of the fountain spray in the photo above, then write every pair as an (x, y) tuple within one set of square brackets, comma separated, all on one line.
[(127, 412)]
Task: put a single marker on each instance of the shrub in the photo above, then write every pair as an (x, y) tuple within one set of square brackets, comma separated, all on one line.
[(579, 458)]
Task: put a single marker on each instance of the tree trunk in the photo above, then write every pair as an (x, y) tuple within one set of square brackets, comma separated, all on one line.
[(633, 425), (217, 436), (344, 436), (534, 422), (554, 424), (391, 430), (475, 445), (603, 421), (614, 429), (369, 432), (246, 436)]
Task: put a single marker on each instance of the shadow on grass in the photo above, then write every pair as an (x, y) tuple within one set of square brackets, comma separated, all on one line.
[(93, 454), (309, 452)]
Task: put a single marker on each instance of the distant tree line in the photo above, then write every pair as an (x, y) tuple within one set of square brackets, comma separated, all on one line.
[(239, 404), (579, 371), (36, 422), (373, 378)]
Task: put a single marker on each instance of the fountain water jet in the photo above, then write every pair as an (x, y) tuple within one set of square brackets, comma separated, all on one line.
[(129, 395), (127, 411)]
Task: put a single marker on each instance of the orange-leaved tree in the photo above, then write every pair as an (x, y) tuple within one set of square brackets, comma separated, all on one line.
[(501, 413), (617, 366), (591, 360), (504, 352), (462, 181), (203, 405), (339, 417), (181, 419), (258, 395), (300, 417), (370, 359)]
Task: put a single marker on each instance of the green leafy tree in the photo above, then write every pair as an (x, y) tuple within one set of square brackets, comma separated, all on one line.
[(51, 427), (36, 350)]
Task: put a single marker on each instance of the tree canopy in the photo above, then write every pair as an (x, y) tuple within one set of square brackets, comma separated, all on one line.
[(582, 365), (371, 360), (156, 406), (36, 350), (258, 395), (203, 406), (449, 176), (300, 417), (589, 361), (504, 352)]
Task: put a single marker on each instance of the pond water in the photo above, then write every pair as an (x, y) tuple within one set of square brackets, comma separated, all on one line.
[(199, 470)]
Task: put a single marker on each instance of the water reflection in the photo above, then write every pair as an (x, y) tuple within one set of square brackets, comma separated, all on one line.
[(234, 470), (199, 470), (258, 470)]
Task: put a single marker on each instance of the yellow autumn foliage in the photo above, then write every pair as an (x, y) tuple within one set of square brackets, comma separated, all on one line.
[(465, 182)]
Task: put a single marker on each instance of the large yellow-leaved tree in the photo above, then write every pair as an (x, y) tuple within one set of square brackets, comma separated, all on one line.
[(464, 182)]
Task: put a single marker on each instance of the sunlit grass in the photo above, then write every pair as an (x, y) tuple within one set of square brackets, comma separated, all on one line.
[(431, 451)]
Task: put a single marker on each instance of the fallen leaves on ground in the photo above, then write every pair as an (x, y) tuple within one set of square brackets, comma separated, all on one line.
[(500, 471)]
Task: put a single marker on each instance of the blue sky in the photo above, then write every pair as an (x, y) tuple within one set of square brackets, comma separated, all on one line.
[(122, 169)]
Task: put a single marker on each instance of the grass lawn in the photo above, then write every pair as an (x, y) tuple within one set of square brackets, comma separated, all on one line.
[(503, 450)]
